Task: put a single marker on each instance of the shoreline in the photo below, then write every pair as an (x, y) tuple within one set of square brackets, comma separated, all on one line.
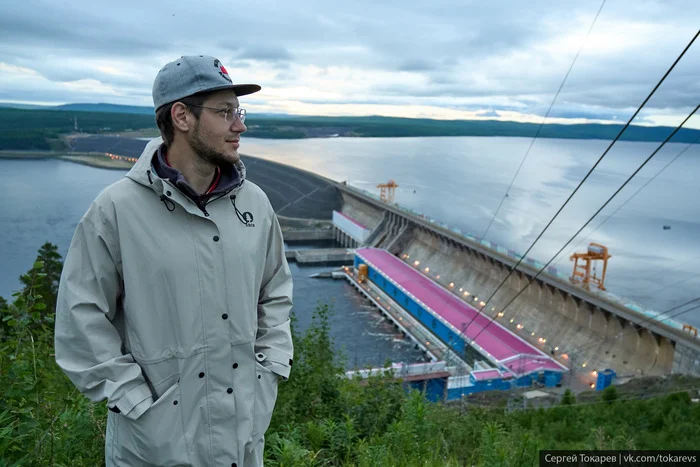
[(98, 161)]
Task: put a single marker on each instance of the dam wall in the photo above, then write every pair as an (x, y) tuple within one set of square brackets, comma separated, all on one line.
[(584, 330), (584, 335)]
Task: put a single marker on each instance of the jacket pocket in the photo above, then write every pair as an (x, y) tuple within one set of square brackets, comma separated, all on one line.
[(157, 437), (266, 383)]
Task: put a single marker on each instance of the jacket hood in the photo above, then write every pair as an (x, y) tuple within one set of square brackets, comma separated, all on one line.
[(143, 171)]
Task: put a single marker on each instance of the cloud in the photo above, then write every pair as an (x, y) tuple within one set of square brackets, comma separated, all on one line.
[(417, 65), (488, 113), (265, 53), (507, 58)]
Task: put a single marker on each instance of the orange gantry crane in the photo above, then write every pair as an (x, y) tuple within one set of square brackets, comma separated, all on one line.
[(582, 273), (387, 191)]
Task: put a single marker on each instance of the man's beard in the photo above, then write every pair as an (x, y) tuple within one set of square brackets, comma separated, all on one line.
[(206, 152)]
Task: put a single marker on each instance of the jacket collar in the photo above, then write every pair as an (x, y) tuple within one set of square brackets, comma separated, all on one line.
[(144, 172)]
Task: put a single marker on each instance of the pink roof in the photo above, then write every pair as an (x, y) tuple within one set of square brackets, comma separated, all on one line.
[(352, 220), (528, 364), (496, 340), (486, 374)]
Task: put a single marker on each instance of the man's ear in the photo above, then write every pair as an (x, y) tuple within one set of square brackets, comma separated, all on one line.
[(181, 116)]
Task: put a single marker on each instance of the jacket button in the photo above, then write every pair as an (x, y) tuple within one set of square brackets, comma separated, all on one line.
[(224, 316), (201, 374), (168, 193), (216, 238), (235, 365), (174, 402), (259, 376), (229, 390), (234, 465)]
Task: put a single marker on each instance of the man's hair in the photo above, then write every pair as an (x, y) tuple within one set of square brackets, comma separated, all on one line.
[(165, 121)]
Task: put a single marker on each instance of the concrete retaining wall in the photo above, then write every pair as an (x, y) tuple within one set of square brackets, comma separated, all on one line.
[(585, 333), (362, 212), (306, 235), (685, 360), (595, 329)]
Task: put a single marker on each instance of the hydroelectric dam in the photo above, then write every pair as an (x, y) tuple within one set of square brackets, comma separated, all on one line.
[(433, 283)]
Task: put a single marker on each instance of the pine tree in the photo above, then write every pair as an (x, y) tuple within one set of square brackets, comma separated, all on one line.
[(568, 398), (3, 322), (47, 285)]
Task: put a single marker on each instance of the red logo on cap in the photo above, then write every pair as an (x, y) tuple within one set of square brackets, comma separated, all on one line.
[(222, 71)]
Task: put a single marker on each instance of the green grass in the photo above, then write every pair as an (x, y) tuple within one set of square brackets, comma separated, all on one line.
[(321, 418)]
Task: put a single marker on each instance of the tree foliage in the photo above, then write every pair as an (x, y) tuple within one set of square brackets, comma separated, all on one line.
[(568, 398), (609, 394), (43, 421), (40, 129), (49, 276), (322, 418)]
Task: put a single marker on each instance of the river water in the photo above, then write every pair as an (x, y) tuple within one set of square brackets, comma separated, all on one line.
[(43, 200), (653, 238), (461, 181)]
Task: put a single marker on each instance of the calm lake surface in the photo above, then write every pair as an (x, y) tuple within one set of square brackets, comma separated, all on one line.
[(462, 180), (456, 180)]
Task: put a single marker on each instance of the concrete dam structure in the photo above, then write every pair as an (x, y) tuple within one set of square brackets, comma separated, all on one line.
[(586, 331)]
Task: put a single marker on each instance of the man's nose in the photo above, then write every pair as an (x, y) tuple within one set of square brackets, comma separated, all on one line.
[(238, 126)]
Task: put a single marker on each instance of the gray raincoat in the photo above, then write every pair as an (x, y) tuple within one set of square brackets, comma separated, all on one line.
[(178, 317)]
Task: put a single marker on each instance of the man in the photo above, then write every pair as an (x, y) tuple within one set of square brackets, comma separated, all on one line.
[(175, 295)]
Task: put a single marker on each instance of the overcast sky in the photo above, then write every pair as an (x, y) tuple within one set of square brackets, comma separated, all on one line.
[(436, 59)]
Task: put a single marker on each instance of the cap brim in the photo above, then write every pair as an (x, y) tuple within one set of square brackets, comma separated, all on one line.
[(239, 89), (244, 89)]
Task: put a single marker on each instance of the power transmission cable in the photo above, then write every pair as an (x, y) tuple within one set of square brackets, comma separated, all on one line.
[(657, 318), (593, 168), (635, 194), (582, 227), (543, 120), (673, 284), (573, 352), (627, 201), (693, 259)]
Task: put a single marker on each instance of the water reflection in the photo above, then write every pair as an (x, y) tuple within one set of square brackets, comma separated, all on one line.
[(457, 180), (461, 181)]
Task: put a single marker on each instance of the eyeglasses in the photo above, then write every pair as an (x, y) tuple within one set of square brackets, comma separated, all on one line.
[(228, 112)]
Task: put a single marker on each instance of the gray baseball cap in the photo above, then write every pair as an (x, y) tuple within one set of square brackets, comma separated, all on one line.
[(191, 74)]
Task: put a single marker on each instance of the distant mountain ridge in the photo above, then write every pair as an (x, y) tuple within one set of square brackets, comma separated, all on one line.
[(41, 127), (107, 108)]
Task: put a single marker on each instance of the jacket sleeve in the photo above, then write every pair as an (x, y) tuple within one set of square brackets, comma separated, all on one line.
[(274, 337), (88, 347)]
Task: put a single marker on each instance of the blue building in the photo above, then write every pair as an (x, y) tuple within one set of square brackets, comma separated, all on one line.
[(514, 362)]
